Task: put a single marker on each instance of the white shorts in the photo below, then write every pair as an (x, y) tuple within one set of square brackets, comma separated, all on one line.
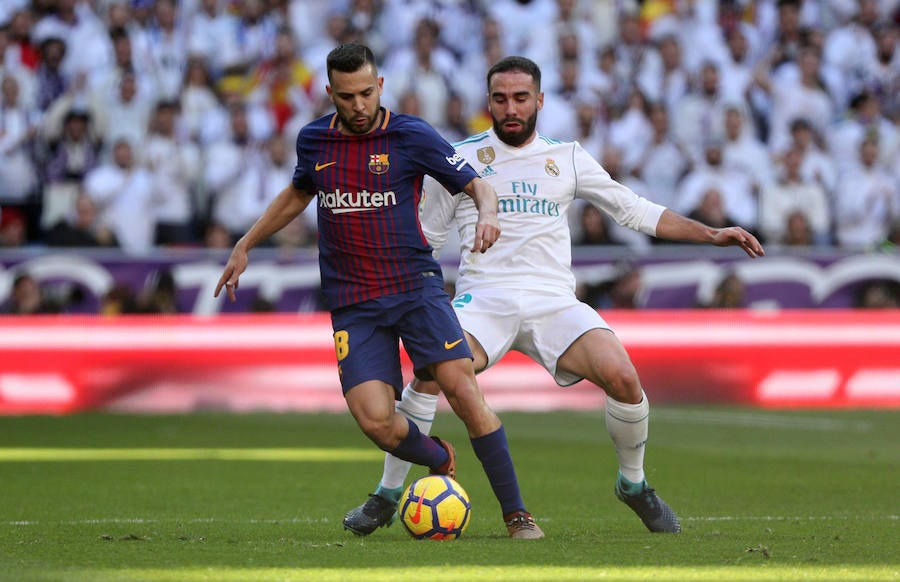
[(541, 326)]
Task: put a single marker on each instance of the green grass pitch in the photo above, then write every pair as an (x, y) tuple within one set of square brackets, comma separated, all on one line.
[(762, 495)]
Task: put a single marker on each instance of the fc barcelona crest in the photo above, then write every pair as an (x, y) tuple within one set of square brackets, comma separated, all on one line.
[(378, 163), (486, 155), (551, 168)]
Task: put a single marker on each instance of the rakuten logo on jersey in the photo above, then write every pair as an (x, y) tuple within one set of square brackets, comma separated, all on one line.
[(340, 202)]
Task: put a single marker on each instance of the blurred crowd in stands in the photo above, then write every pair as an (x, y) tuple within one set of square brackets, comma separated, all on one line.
[(140, 124)]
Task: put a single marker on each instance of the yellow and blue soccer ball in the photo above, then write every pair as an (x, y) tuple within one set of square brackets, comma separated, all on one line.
[(435, 507)]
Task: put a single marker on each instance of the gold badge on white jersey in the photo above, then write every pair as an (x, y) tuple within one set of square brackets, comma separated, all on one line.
[(551, 168), (486, 155)]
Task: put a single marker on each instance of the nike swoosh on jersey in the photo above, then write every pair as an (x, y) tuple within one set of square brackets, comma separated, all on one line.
[(451, 345), (323, 166)]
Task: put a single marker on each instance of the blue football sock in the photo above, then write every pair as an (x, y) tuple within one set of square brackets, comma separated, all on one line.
[(629, 488), (420, 449), (493, 452)]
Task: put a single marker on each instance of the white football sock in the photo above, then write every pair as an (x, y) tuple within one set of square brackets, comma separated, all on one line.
[(628, 424), (420, 409)]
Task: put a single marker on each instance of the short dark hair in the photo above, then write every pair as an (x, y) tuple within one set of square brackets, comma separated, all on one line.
[(521, 64), (800, 123), (350, 57), (77, 113), (168, 105), (21, 278), (118, 33)]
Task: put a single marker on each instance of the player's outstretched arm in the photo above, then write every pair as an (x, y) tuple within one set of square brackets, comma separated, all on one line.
[(675, 227), (289, 203), (487, 229)]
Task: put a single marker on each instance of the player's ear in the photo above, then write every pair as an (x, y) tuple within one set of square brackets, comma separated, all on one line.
[(328, 92), (380, 85), (540, 100)]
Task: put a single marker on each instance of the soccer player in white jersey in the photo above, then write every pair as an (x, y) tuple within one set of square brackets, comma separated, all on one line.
[(521, 295)]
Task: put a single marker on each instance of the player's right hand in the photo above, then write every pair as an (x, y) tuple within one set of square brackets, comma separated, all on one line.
[(737, 236), (230, 278), (487, 231)]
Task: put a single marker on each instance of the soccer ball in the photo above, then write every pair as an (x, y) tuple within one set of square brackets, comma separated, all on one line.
[(435, 507)]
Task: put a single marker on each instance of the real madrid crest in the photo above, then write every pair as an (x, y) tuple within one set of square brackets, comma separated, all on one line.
[(378, 163), (551, 168), (486, 155)]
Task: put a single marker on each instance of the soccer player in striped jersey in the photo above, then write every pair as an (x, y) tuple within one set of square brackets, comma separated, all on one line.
[(365, 166), (521, 295)]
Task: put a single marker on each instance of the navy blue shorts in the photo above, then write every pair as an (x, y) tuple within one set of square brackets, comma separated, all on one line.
[(367, 336)]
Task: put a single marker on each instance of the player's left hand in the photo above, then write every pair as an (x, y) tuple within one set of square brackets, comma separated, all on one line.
[(230, 278), (487, 231), (737, 236)]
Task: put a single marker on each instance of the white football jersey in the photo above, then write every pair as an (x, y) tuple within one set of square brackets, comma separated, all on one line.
[(535, 185)]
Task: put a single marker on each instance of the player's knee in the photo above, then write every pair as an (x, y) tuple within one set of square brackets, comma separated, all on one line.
[(621, 383), (380, 431), (469, 405), (456, 379), (426, 387), (463, 391)]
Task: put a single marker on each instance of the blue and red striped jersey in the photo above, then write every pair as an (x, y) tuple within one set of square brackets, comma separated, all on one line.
[(368, 191)]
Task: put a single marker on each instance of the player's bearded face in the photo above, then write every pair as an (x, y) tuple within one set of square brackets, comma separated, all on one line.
[(514, 102), (359, 121), (357, 99), (514, 130)]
